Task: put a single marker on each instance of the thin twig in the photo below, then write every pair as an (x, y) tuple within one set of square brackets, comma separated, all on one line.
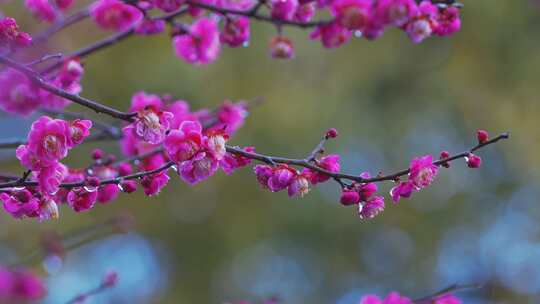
[(450, 289)]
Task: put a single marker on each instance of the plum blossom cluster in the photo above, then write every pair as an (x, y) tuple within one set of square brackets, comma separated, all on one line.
[(49, 141), (11, 37), (217, 23), (20, 95), (20, 286)]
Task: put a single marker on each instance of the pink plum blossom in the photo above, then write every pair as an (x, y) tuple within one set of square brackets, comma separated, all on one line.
[(68, 79), (236, 31), (329, 163), (395, 12), (215, 142), (448, 21), (152, 184), (352, 14), (151, 125), (349, 197), (370, 208), (199, 168), (49, 139), (422, 25), (281, 178), (368, 189), (20, 203), (281, 47), (473, 161), (231, 162), (482, 136), (332, 35), (78, 131), (48, 210), (80, 199), (422, 171), (18, 95), (10, 35), (115, 15), (299, 186), (263, 173), (283, 9), (201, 44), (242, 5), (50, 178), (184, 143), (403, 189)]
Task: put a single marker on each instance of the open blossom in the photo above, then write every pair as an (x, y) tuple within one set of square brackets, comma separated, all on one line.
[(115, 15), (50, 178), (403, 189), (215, 143), (391, 298), (48, 139), (231, 116), (283, 9), (352, 14), (20, 203), (201, 45), (329, 163), (423, 171), (182, 144), (20, 286), (231, 162), (281, 178), (10, 35), (370, 208), (199, 168), (78, 131), (152, 184), (80, 199), (448, 21), (332, 35), (299, 186), (18, 95), (150, 125), (423, 24), (263, 173), (395, 12), (236, 31)]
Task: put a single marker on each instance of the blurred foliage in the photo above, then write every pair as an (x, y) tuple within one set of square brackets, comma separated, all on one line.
[(390, 100)]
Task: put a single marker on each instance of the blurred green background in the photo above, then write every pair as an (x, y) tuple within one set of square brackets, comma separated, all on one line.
[(391, 100)]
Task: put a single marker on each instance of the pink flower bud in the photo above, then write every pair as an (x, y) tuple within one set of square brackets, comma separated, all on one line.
[(110, 279), (129, 186), (281, 48), (349, 197), (331, 133), (444, 155), (93, 181), (97, 154), (473, 161), (482, 136)]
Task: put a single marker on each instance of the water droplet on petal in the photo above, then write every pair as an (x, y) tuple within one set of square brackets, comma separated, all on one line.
[(245, 44), (120, 187), (358, 34)]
